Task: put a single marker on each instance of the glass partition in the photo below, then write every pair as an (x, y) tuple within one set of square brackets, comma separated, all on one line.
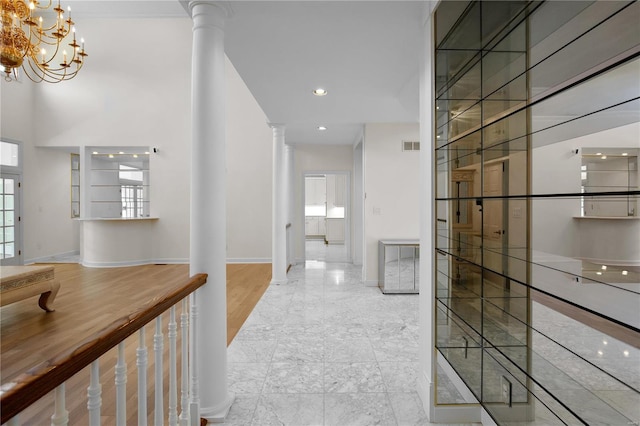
[(537, 255)]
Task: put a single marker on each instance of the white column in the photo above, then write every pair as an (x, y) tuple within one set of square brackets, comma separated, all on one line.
[(289, 198), (427, 360), (280, 214), (208, 207)]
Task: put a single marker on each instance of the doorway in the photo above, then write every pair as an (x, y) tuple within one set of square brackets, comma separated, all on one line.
[(10, 203), (326, 216), (494, 225), (10, 233)]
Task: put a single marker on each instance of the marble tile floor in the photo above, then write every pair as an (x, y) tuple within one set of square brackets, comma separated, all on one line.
[(324, 349), (316, 249)]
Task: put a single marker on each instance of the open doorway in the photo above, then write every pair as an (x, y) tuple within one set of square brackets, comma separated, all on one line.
[(326, 212)]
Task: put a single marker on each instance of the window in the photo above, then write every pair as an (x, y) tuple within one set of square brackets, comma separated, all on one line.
[(9, 154), (132, 192)]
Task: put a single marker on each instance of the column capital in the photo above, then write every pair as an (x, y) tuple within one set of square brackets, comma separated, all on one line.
[(277, 125), (220, 10)]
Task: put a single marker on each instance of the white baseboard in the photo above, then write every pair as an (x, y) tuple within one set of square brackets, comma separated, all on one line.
[(249, 260), (46, 259), (177, 261), (116, 264), (139, 262), (371, 283)]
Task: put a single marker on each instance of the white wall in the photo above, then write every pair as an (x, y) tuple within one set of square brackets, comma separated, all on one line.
[(249, 170), (315, 158), (139, 96), (391, 187), (46, 215), (555, 169), (358, 204)]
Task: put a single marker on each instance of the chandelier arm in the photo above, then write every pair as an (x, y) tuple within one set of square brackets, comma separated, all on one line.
[(38, 6), (22, 21), (36, 78)]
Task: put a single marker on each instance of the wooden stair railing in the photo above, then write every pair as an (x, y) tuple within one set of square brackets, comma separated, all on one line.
[(32, 385)]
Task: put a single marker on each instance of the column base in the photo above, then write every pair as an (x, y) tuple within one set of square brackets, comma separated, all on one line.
[(218, 414)]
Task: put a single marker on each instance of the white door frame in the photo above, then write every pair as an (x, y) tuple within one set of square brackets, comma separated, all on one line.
[(347, 210), (12, 172)]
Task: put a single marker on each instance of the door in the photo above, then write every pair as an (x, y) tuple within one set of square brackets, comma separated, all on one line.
[(493, 229), (10, 238)]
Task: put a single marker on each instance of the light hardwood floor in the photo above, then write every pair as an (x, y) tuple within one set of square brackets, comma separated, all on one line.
[(89, 299)]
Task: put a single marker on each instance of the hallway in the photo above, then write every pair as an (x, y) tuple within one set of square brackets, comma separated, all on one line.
[(324, 349), (317, 250)]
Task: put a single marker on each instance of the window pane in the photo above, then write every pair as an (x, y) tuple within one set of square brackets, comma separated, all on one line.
[(9, 250), (8, 234), (9, 185), (8, 218), (8, 154), (8, 202)]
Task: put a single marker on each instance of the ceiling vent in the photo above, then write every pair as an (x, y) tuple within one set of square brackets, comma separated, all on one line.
[(410, 146)]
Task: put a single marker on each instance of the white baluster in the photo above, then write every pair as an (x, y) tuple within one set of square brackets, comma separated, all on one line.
[(173, 385), (121, 387), (60, 414), (141, 363), (184, 361), (194, 396), (94, 392), (158, 417)]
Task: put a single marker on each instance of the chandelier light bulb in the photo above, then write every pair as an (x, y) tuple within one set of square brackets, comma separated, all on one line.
[(24, 20)]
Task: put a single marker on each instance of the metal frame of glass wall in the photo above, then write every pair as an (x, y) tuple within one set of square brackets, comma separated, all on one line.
[(521, 88)]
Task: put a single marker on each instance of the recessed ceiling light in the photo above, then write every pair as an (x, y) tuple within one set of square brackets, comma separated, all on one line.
[(322, 128), (135, 155), (604, 267), (121, 152), (598, 153), (598, 273), (110, 155), (319, 92), (624, 154), (625, 272), (95, 152), (146, 152), (604, 157)]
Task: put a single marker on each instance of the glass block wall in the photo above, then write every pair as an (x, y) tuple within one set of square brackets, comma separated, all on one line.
[(538, 232)]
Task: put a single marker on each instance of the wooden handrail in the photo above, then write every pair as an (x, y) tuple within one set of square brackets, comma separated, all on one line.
[(32, 385)]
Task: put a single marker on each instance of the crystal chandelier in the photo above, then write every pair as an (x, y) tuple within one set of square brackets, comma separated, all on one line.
[(38, 47)]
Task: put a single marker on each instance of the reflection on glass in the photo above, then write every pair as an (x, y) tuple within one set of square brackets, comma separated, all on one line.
[(517, 85), (607, 174)]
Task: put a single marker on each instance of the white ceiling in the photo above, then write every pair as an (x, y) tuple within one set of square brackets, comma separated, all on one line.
[(365, 53)]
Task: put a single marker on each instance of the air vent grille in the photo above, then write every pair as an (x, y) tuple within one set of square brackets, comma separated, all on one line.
[(410, 146)]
